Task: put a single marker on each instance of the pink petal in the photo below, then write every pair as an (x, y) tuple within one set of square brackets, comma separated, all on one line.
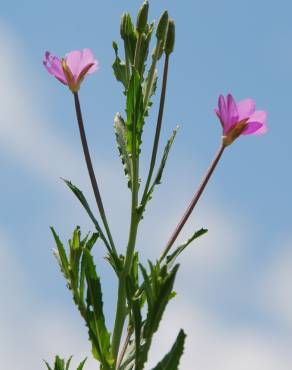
[(222, 109), (258, 116), (232, 112), (262, 130), (54, 67), (86, 59), (78, 60), (245, 108), (252, 128), (73, 61)]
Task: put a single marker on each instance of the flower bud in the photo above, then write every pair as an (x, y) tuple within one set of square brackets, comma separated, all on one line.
[(142, 17), (126, 27), (170, 37), (162, 26)]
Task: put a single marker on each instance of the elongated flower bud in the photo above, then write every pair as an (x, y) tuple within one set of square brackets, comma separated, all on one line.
[(142, 17), (126, 27), (170, 37), (162, 26)]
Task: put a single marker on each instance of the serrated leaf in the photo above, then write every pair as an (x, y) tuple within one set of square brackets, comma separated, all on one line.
[(119, 67), (121, 134), (171, 360), (95, 309), (135, 114), (61, 255), (170, 259)]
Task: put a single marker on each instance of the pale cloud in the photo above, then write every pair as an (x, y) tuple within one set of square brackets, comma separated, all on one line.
[(211, 345), (273, 290), (25, 131)]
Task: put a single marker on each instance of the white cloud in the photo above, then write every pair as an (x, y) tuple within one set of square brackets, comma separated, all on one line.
[(212, 346)]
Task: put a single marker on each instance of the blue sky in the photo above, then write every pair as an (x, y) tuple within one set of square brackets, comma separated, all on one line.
[(234, 297)]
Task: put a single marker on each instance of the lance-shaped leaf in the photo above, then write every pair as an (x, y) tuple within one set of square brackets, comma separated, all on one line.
[(170, 259), (158, 177), (60, 254), (134, 302), (135, 114), (121, 133), (80, 196), (95, 314), (171, 360)]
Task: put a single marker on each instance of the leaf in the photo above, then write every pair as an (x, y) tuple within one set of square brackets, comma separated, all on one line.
[(170, 259), (165, 156), (158, 287), (68, 363), (119, 68), (171, 360), (159, 173), (152, 88), (80, 196), (80, 367), (95, 309), (135, 113), (121, 132), (48, 366), (61, 255)]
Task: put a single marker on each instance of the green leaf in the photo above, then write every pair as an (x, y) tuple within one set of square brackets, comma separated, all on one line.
[(68, 363), (61, 255), (80, 196), (157, 179), (170, 259), (80, 367), (121, 133), (95, 310), (171, 360), (158, 287), (135, 113), (48, 366), (119, 68), (164, 157)]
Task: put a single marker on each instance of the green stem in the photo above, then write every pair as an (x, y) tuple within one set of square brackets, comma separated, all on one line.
[(91, 170), (158, 129), (193, 202), (121, 303)]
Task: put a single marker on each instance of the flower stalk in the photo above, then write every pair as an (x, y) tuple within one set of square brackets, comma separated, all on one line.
[(91, 171), (193, 202)]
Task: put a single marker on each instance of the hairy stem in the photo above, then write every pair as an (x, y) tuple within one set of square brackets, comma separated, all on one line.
[(193, 202), (91, 170)]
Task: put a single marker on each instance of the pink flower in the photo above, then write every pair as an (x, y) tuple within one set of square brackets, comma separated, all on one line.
[(239, 118), (72, 69)]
